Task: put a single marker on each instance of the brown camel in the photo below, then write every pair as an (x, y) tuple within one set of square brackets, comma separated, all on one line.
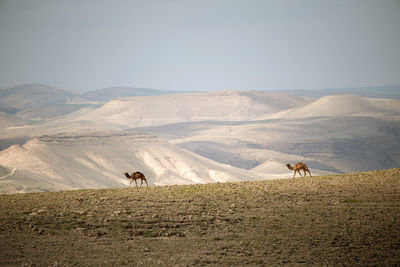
[(298, 167), (135, 176)]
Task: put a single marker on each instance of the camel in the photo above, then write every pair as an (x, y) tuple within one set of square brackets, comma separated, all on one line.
[(135, 176), (298, 167)]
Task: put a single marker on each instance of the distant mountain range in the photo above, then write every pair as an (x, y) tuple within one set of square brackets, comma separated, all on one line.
[(108, 94), (38, 102), (389, 92)]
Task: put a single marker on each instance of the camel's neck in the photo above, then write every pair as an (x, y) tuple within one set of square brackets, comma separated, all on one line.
[(290, 167)]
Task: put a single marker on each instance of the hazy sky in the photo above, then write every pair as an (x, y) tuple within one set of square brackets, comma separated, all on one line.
[(200, 45)]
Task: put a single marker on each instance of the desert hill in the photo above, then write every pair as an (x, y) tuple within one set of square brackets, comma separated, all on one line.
[(38, 102), (255, 133), (328, 144), (167, 109), (42, 114), (97, 160), (33, 95), (24, 96), (341, 106), (7, 120), (126, 113)]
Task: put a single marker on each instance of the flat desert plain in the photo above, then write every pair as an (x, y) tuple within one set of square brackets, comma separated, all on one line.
[(348, 219)]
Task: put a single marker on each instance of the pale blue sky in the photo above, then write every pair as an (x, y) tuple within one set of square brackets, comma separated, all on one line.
[(200, 45)]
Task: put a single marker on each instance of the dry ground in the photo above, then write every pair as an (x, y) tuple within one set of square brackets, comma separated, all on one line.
[(351, 219)]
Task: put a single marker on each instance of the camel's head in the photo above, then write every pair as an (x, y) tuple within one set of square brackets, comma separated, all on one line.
[(126, 174), (288, 165)]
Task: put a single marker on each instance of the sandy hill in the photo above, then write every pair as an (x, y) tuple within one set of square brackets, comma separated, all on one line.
[(97, 160), (343, 105), (333, 144), (166, 109)]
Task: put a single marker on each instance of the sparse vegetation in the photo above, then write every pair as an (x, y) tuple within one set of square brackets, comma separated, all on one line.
[(350, 219)]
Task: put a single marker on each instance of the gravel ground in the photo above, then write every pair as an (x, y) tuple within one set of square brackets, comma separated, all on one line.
[(349, 219)]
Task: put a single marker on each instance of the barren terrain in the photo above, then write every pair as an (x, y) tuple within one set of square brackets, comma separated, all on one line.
[(217, 136), (349, 219)]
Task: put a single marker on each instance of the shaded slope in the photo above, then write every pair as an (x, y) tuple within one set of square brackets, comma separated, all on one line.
[(110, 93), (33, 95)]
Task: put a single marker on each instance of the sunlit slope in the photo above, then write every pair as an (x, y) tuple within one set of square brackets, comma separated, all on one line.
[(333, 144), (97, 160), (343, 105), (166, 109), (255, 131)]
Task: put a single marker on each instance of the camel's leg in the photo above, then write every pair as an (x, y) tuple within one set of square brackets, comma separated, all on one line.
[(141, 182), (130, 183), (294, 175), (309, 173), (136, 183), (300, 173)]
